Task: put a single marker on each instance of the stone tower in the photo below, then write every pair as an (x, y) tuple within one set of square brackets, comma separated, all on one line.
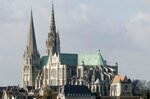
[(53, 41), (56, 75), (31, 58)]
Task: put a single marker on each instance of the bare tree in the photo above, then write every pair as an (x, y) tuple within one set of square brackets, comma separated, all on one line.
[(148, 85), (139, 87)]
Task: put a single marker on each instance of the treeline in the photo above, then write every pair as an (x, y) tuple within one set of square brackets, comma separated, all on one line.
[(141, 88)]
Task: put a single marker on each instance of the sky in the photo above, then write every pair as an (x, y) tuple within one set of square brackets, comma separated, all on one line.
[(119, 28)]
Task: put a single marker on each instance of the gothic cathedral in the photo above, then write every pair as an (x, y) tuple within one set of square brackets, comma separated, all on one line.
[(58, 69)]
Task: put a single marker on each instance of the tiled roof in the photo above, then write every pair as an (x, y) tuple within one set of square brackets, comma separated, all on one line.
[(118, 78), (76, 90), (2, 88)]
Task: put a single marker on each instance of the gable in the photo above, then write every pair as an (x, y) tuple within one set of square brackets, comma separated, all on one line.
[(118, 79)]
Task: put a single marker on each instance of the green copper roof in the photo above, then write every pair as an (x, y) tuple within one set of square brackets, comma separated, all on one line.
[(77, 59), (68, 59), (90, 59), (43, 61)]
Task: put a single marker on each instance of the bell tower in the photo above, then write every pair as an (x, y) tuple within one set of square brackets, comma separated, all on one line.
[(53, 41), (31, 58)]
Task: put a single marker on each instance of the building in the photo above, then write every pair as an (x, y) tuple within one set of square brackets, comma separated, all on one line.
[(31, 57), (44, 90), (121, 86), (58, 69), (14, 92), (75, 92), (1, 91)]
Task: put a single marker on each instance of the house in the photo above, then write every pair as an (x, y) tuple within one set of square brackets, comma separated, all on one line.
[(1, 91), (121, 86), (14, 92), (75, 92)]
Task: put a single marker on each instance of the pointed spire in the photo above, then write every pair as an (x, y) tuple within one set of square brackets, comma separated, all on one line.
[(31, 43), (52, 26), (53, 41)]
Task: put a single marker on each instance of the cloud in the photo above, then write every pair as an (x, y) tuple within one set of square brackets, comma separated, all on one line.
[(142, 0), (138, 29), (88, 28), (82, 13)]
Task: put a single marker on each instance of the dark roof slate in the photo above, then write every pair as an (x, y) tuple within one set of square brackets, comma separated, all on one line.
[(76, 90)]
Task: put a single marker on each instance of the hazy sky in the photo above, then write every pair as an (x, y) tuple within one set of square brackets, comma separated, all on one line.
[(119, 28)]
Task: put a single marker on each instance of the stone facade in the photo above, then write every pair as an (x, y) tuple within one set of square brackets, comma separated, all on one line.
[(31, 58), (121, 86)]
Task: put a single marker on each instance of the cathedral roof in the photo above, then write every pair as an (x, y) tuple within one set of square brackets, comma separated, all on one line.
[(91, 59), (43, 61), (78, 59), (69, 59), (73, 60)]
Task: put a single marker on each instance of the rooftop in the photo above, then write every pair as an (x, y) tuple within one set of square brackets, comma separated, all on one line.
[(73, 60), (76, 90)]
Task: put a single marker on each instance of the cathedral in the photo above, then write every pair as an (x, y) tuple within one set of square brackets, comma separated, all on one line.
[(58, 69)]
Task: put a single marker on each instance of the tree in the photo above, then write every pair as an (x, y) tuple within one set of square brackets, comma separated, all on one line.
[(139, 87), (148, 85)]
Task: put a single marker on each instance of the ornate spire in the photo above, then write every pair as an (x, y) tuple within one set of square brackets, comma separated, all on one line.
[(52, 26), (53, 41), (31, 42)]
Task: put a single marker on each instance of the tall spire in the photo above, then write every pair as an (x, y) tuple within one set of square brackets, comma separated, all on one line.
[(52, 26), (31, 43), (53, 42)]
